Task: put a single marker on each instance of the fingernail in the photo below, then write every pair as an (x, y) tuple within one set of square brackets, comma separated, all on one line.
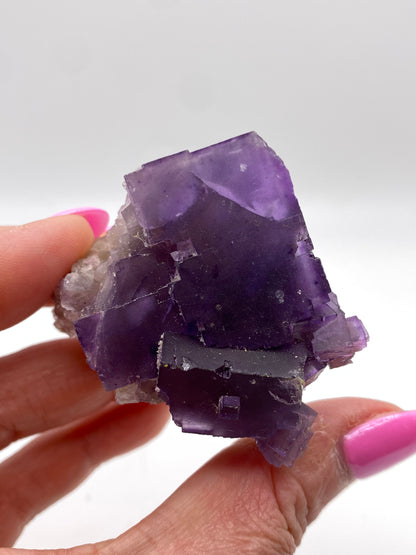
[(380, 443), (97, 218)]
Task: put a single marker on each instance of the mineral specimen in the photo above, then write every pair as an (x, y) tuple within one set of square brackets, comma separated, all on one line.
[(206, 295)]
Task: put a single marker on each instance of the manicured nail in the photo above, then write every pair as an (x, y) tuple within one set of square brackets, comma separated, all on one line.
[(97, 218), (380, 443)]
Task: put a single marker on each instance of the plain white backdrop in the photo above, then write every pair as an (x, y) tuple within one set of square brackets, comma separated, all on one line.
[(91, 89)]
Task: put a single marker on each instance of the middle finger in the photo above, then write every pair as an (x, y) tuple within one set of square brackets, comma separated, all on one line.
[(45, 386)]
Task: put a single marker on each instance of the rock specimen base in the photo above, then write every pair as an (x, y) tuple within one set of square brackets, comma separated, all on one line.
[(206, 294)]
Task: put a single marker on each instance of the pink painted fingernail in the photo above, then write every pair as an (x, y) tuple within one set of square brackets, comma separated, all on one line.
[(97, 218), (380, 443)]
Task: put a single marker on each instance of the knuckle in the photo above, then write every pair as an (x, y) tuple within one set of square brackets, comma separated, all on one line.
[(291, 503), (271, 521)]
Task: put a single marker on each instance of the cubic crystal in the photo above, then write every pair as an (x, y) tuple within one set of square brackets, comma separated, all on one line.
[(206, 295)]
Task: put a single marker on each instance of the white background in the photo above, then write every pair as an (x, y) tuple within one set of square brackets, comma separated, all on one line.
[(91, 89)]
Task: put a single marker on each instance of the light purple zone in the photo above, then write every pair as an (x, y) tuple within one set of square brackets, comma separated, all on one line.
[(226, 260)]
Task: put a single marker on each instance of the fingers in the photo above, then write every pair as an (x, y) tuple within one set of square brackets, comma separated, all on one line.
[(59, 460), (45, 386), (239, 503), (34, 257), (236, 503)]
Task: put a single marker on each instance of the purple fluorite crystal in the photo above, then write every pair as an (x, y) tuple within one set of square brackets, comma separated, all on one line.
[(206, 295)]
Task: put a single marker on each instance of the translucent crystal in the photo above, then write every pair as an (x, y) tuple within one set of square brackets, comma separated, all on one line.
[(206, 295)]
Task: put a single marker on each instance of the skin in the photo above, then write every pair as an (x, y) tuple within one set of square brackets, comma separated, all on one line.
[(235, 503)]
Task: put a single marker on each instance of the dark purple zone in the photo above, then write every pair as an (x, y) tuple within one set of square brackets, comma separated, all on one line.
[(227, 263)]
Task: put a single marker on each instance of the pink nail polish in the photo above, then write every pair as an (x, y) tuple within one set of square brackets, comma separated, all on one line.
[(380, 443), (97, 218)]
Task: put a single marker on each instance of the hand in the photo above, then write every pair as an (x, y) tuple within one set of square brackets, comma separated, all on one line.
[(236, 503), (48, 389)]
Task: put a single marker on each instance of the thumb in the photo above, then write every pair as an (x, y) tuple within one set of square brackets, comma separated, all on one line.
[(238, 503)]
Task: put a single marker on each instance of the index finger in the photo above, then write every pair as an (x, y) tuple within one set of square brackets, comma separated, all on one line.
[(33, 259)]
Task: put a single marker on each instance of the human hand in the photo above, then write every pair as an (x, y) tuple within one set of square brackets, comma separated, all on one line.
[(48, 389), (237, 503)]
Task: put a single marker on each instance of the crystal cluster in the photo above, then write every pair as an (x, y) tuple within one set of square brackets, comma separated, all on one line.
[(206, 295)]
